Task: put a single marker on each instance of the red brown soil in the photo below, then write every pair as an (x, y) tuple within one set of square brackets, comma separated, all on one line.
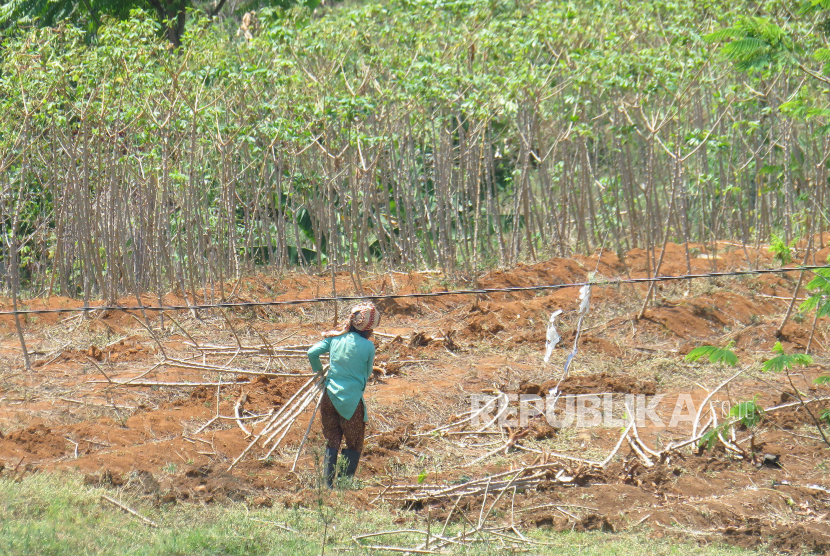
[(596, 384), (432, 354)]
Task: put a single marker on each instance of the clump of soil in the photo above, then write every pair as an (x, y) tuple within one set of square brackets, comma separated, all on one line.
[(790, 418), (104, 478), (587, 342), (198, 483), (263, 393), (594, 522), (39, 441), (598, 383), (743, 537), (143, 481), (125, 350), (396, 438), (419, 339), (540, 430), (95, 353), (658, 478), (530, 388), (487, 325), (547, 519), (798, 540), (202, 393), (404, 307), (599, 345)]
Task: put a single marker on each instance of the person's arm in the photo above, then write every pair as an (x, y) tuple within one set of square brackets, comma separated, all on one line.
[(371, 362), (314, 353)]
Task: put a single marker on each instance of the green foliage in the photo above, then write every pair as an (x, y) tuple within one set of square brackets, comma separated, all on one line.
[(757, 45), (782, 252), (754, 43), (86, 14), (57, 515), (818, 299), (170, 15), (747, 413), (456, 135), (708, 440), (784, 361), (723, 355)]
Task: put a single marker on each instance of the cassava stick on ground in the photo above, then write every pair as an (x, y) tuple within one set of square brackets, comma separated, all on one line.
[(289, 408)]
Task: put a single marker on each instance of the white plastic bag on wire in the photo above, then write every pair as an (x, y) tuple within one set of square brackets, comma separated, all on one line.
[(584, 306), (553, 336), (585, 297)]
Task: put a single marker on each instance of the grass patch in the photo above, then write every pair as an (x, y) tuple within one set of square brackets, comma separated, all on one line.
[(50, 514)]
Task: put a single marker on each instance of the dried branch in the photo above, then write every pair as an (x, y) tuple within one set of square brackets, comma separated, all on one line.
[(130, 511)]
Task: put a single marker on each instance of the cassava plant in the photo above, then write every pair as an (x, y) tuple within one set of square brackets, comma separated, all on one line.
[(782, 251), (818, 300), (748, 413), (719, 355), (784, 362), (401, 134)]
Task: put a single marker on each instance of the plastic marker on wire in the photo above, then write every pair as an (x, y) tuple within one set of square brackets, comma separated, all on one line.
[(585, 296), (553, 336), (584, 307)]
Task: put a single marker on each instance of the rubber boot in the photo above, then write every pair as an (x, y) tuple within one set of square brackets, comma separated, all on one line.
[(351, 457), (329, 464)]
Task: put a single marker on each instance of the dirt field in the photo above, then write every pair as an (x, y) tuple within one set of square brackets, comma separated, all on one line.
[(432, 355)]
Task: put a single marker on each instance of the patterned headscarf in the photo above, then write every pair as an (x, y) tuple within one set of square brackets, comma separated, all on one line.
[(364, 316)]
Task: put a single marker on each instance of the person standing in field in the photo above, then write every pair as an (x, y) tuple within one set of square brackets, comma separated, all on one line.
[(342, 410)]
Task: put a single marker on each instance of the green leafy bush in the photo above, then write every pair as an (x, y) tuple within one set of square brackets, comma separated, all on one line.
[(715, 354), (456, 135)]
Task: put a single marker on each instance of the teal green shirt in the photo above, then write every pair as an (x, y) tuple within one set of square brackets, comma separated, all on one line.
[(351, 357)]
